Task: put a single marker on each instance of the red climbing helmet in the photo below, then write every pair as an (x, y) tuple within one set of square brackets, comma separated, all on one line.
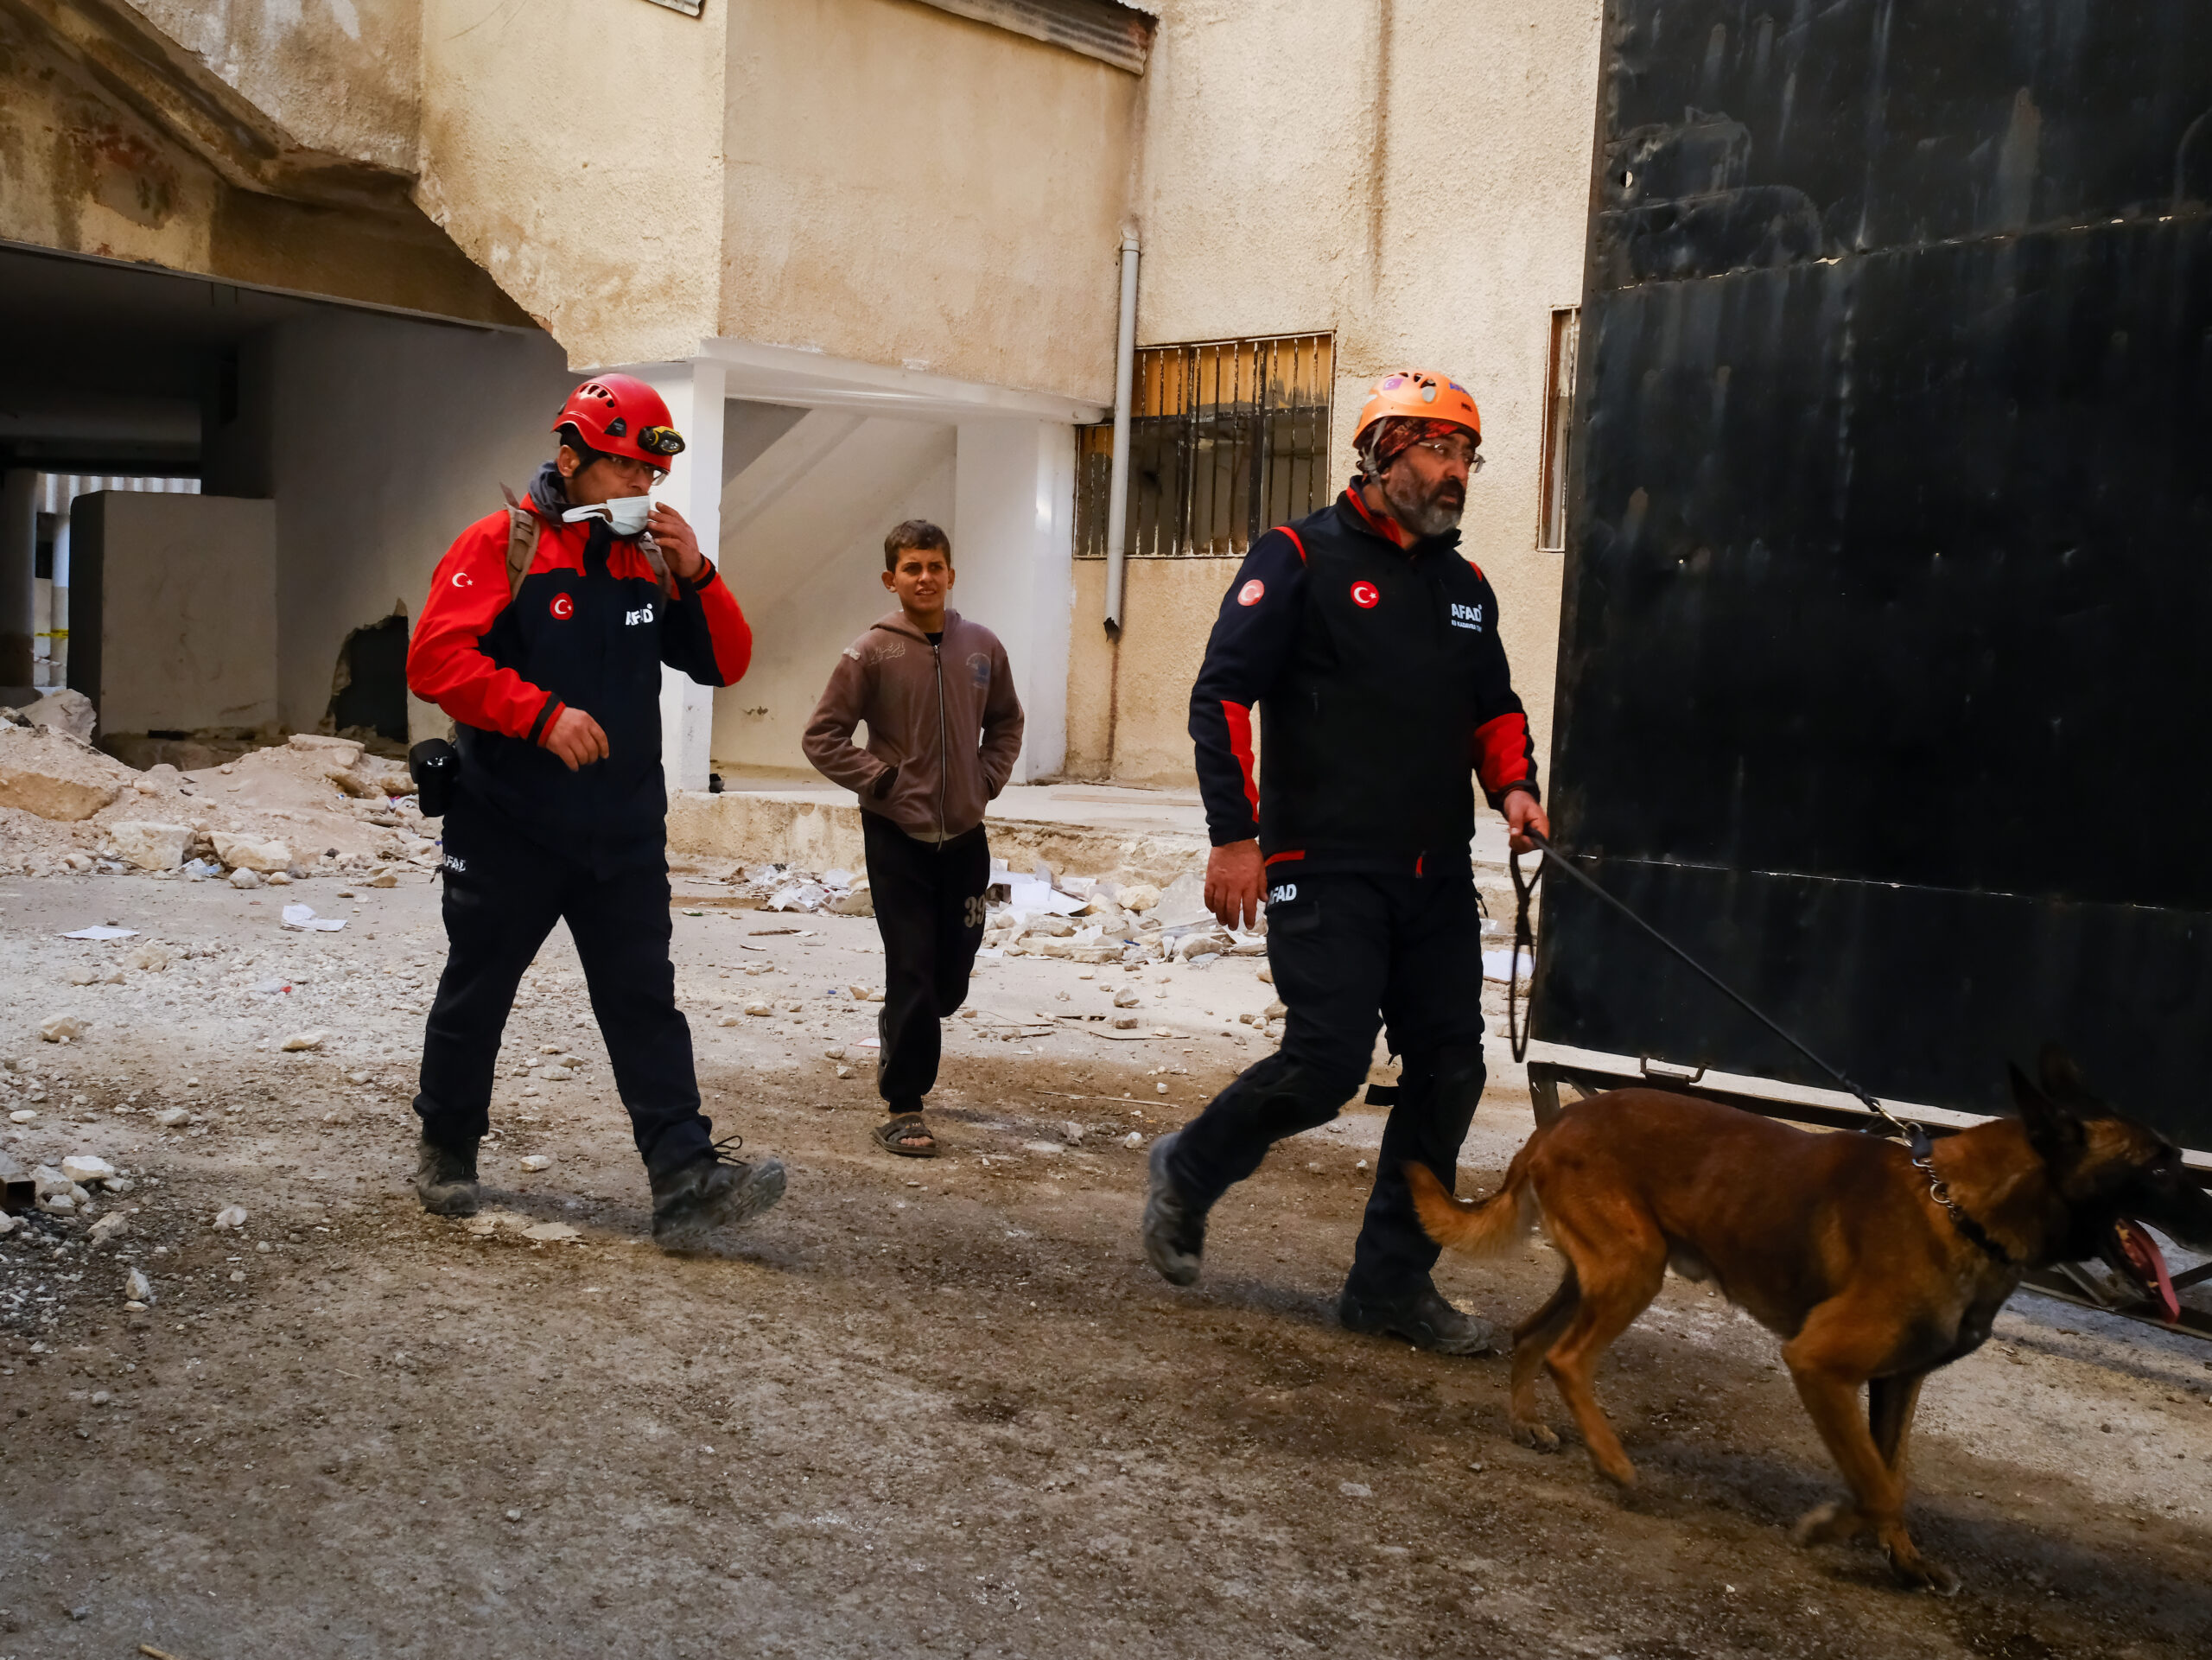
[(619, 414)]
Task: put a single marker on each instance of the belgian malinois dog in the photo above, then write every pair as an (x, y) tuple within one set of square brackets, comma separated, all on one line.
[(1872, 1274)]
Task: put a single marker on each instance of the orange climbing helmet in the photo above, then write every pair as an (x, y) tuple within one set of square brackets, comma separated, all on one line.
[(1418, 395), (619, 414)]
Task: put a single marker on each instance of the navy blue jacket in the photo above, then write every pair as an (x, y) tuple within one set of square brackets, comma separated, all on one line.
[(1383, 690)]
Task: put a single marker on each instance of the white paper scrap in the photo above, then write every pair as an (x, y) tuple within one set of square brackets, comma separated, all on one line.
[(103, 932), (302, 917)]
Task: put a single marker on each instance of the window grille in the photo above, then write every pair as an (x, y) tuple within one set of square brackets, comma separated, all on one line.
[(1559, 425), (1227, 439)]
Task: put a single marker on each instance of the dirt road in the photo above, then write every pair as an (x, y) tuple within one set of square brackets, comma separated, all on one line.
[(923, 1407)]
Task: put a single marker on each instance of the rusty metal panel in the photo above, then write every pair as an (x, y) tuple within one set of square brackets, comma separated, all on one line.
[(1880, 679)]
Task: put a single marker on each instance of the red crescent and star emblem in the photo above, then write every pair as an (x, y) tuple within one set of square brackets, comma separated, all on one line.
[(563, 607), (1366, 595), (1252, 592)]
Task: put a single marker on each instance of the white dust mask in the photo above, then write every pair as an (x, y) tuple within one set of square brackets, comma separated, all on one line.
[(626, 515)]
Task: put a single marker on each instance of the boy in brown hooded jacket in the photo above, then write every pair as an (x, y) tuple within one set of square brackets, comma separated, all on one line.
[(944, 727)]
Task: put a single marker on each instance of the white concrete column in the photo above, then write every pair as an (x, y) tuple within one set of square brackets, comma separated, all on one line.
[(693, 487), (1013, 546), (18, 561)]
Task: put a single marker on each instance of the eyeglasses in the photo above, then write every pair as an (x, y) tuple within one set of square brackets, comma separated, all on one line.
[(1462, 452), (661, 440)]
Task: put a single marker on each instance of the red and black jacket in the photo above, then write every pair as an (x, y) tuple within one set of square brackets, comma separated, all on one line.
[(1381, 686), (589, 626)]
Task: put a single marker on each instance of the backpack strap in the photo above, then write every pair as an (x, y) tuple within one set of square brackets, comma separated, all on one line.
[(522, 541)]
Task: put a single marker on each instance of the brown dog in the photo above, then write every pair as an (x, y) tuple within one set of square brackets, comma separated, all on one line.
[(1833, 1242)]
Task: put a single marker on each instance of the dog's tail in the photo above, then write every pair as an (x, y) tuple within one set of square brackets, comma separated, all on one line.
[(1478, 1227)]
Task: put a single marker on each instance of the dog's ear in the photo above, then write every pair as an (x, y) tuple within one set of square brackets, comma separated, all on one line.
[(2053, 1131), (2062, 1082)]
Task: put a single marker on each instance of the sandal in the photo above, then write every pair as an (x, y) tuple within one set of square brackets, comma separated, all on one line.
[(895, 1134)]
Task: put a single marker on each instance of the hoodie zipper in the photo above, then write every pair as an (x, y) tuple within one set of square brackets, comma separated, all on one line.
[(943, 746)]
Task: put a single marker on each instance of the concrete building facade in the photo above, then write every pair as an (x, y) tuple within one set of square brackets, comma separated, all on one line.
[(347, 259)]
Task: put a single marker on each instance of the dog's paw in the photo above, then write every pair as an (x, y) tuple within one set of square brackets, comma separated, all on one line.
[(1915, 1570), (1827, 1523), (1542, 1437)]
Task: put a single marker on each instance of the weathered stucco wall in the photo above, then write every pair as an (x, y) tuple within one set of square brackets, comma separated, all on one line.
[(84, 171), (1138, 710), (1423, 196), (906, 186), (572, 148), (338, 75)]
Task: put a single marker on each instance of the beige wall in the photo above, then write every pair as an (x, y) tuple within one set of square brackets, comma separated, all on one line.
[(906, 186), (1423, 196), (338, 75), (572, 148), (1143, 700), (154, 178)]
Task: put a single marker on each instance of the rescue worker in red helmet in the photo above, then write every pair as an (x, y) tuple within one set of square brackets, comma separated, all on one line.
[(1369, 646), (543, 638)]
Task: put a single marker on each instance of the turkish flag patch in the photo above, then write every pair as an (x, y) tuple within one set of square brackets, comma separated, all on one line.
[(1252, 592), (1366, 595), (564, 606)]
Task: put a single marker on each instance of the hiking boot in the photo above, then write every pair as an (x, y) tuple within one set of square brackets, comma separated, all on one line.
[(1422, 1317), (1174, 1224), (714, 1190), (445, 1180)]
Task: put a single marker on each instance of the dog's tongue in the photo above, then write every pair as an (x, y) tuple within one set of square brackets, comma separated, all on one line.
[(2143, 1256)]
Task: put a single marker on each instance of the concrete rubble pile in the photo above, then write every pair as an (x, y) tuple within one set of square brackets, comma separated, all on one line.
[(312, 806)]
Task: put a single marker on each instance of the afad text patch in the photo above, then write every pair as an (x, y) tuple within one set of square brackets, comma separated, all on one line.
[(1252, 592), (1366, 595)]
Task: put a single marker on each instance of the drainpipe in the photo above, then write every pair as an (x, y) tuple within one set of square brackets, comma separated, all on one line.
[(1117, 498)]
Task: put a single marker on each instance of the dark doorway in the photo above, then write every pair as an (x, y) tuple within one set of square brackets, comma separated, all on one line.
[(369, 692)]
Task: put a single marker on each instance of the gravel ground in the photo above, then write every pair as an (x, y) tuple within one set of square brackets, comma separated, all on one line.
[(922, 1407)]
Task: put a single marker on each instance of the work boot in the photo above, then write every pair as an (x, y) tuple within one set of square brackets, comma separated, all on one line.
[(1422, 1317), (1174, 1223), (714, 1190), (446, 1180)]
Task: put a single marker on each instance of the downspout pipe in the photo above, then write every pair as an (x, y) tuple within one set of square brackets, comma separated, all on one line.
[(1117, 489)]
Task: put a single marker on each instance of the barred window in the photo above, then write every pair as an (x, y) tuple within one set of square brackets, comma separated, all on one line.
[(1227, 439)]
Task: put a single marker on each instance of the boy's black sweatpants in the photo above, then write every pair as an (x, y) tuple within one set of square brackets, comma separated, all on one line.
[(929, 907), (1351, 954), (503, 894)]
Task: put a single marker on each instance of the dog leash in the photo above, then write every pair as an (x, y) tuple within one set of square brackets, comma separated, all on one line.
[(1921, 1144)]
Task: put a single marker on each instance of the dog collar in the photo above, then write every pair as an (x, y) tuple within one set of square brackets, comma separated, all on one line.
[(1923, 1148)]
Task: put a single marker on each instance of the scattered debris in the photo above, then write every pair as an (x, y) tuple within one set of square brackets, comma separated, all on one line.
[(231, 1216), (61, 1028), (55, 775), (299, 1042), (537, 1161), (138, 1288)]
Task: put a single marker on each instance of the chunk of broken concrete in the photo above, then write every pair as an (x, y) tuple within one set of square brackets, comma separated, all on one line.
[(137, 1287), (537, 1161), (300, 1041), (114, 1223), (149, 845), (84, 1167), (64, 710), (61, 1028), (231, 1216), (250, 853), (55, 775)]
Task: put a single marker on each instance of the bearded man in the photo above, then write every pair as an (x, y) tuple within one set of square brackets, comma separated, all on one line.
[(1369, 646)]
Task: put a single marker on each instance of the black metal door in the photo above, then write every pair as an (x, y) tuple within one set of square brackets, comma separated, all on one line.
[(1883, 682)]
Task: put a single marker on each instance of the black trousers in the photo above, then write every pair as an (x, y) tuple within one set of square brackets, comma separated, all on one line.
[(929, 907), (1352, 954), (503, 894)]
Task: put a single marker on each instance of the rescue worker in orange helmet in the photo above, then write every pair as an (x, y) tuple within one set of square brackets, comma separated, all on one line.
[(1370, 647), (543, 638)]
